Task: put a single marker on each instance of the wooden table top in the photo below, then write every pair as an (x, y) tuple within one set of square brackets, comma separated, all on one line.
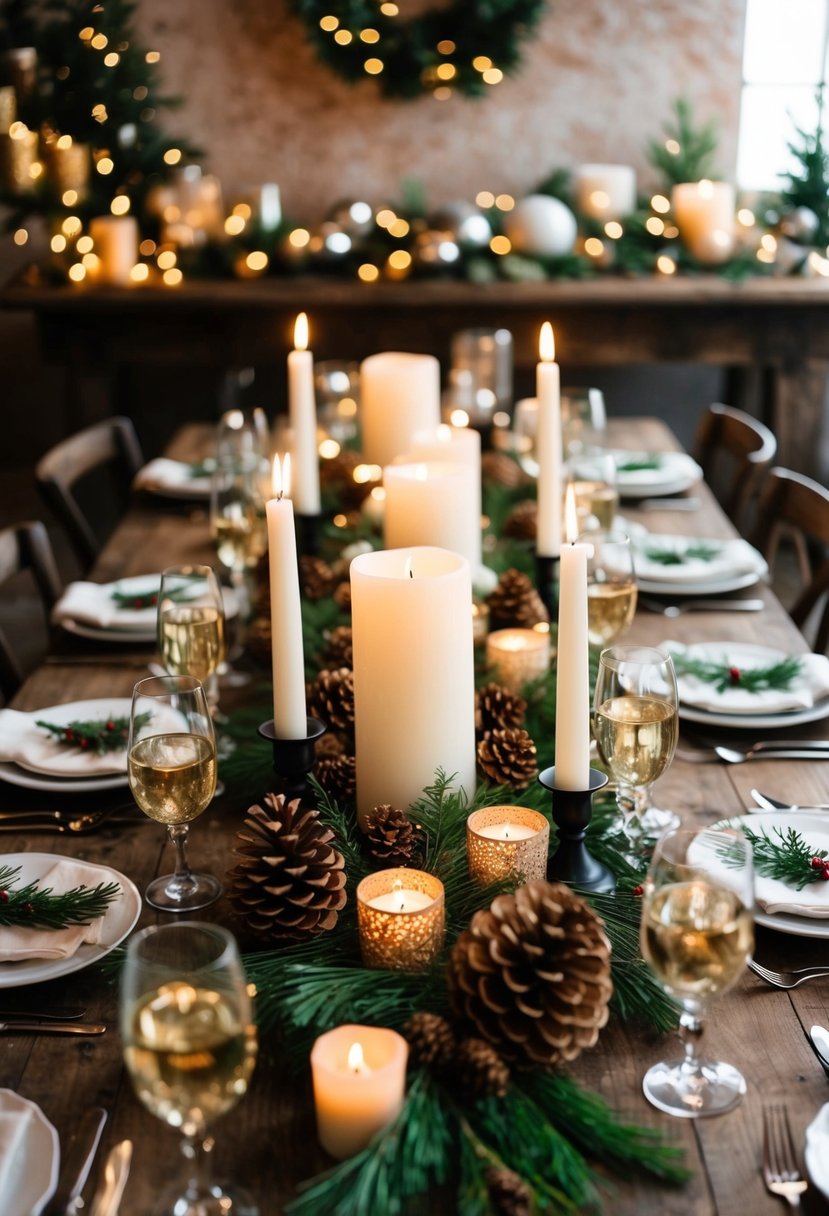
[(269, 1141)]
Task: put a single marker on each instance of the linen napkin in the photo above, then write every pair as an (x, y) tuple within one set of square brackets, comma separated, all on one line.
[(93, 604), (171, 476), (23, 742), (725, 559), (808, 687), (18, 944), (14, 1127), (817, 1150), (669, 468)]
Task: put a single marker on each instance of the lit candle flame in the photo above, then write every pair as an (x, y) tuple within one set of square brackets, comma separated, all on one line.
[(301, 332), (356, 1059), (546, 343), (281, 476), (397, 886), (571, 516)]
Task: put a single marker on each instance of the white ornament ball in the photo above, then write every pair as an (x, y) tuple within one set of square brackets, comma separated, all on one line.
[(542, 226)]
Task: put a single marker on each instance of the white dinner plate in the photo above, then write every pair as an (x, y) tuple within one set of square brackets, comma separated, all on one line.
[(60, 785), (195, 490), (96, 634), (53, 759), (34, 1174), (746, 655), (677, 472), (746, 578), (119, 919), (817, 1150)]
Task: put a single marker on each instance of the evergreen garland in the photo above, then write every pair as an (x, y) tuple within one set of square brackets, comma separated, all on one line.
[(674, 557)]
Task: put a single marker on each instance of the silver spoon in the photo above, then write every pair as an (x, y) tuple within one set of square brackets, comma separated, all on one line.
[(795, 751)]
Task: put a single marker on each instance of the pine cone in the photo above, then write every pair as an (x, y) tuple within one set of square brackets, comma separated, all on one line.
[(515, 603), (331, 699), (532, 974), (508, 1193), (339, 648), (431, 1041), (342, 596), (508, 757), (481, 1072), (338, 777), (337, 476), (391, 837), (499, 469), (259, 640), (496, 708), (316, 577), (290, 881), (522, 521), (328, 745)]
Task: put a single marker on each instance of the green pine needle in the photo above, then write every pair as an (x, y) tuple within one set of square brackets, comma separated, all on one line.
[(788, 858), (640, 464), (36, 907), (675, 557), (776, 676), (98, 735), (687, 154)]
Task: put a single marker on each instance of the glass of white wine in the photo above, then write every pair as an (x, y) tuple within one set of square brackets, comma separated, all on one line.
[(189, 1046), (697, 933), (595, 487), (635, 723), (239, 529), (611, 585), (171, 763), (583, 419)]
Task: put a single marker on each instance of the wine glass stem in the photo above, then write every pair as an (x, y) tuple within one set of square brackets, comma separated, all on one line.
[(182, 875), (690, 1034), (196, 1149)]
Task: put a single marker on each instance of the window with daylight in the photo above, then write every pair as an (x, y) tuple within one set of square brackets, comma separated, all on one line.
[(784, 65)]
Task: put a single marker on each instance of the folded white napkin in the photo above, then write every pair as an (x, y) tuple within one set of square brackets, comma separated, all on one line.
[(17, 944), (731, 558), (92, 604), (14, 1127), (171, 475), (22, 741), (671, 467), (808, 687)]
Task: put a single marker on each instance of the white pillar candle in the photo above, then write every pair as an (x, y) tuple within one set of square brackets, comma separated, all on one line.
[(548, 446), (414, 693), (456, 445), (605, 192), (400, 395), (289, 710), (432, 504), (359, 1077), (572, 767), (704, 215), (303, 415), (115, 238)]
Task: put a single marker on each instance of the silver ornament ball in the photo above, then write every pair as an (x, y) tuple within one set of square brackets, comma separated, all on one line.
[(467, 223)]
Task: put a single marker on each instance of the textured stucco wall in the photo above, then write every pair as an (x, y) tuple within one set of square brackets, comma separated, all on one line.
[(597, 81)]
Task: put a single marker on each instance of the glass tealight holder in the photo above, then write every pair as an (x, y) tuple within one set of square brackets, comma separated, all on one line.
[(401, 919), (480, 622), (507, 840), (518, 655)]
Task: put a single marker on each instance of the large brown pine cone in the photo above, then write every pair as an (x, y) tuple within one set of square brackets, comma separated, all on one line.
[(515, 603), (339, 648), (391, 837), (331, 699), (532, 974), (338, 776), (508, 1193), (522, 521), (431, 1041), (496, 708), (497, 468), (290, 880), (481, 1072), (316, 577), (508, 757)]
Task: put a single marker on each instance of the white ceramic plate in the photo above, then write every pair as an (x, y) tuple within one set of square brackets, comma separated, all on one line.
[(817, 1150), (736, 582), (195, 490), (761, 710), (53, 759), (60, 785), (34, 1174), (677, 472), (756, 722), (119, 919), (96, 634)]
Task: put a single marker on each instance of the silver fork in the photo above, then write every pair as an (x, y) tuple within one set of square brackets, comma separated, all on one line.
[(788, 979), (780, 1169)]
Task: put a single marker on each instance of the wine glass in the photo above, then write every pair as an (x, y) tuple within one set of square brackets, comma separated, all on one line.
[(239, 529), (189, 1046), (635, 723), (697, 933), (611, 585), (583, 419), (172, 774), (243, 437), (593, 475)]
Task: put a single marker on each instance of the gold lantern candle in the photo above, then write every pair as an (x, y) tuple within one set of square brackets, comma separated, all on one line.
[(69, 165), (8, 107), (19, 165), (518, 655), (507, 840), (401, 919), (19, 65)]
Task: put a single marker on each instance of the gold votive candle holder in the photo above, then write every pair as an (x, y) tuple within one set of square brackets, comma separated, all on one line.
[(8, 107), (401, 919), (18, 158), (70, 165), (518, 655), (505, 841), (480, 622)]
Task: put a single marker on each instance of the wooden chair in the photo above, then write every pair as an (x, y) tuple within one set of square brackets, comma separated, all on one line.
[(24, 547), (86, 481), (733, 450), (794, 508)]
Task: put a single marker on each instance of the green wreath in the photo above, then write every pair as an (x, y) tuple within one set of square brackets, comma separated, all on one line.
[(466, 47)]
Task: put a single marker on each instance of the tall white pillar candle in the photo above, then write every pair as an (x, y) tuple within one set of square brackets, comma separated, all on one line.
[(548, 446), (116, 243), (456, 445), (289, 710), (605, 192), (432, 504), (705, 216), (400, 395), (303, 415), (414, 687), (572, 767)]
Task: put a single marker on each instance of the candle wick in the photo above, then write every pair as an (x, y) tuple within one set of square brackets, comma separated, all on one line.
[(411, 572)]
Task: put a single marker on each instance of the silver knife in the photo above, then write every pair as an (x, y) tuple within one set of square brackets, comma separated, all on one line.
[(78, 1161), (52, 1028), (820, 1041), (107, 1198)]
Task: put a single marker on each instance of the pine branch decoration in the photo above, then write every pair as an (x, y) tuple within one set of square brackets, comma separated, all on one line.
[(36, 907), (98, 735), (788, 858), (676, 557), (776, 677)]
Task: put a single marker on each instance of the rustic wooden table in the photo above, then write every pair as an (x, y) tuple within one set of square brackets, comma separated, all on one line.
[(270, 1140)]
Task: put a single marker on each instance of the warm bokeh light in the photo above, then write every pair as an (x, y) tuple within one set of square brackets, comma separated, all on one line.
[(167, 259), (299, 238), (655, 225), (368, 273), (172, 278), (120, 205), (172, 156), (500, 244), (257, 261), (140, 272)]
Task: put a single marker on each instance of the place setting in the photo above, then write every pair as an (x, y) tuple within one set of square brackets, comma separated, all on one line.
[(654, 474), (676, 565), (187, 480)]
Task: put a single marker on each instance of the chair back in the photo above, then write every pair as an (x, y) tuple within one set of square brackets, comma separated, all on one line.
[(86, 481), (734, 450), (24, 546)]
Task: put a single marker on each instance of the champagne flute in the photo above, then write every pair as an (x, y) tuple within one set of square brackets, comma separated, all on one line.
[(611, 585), (697, 932), (240, 533), (171, 764), (635, 723), (189, 1046)]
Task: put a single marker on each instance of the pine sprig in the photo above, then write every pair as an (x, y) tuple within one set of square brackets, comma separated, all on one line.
[(675, 557), (788, 858), (149, 599), (640, 464), (36, 907), (98, 735), (776, 676), (687, 154)]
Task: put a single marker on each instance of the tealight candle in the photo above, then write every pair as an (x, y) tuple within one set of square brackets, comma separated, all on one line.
[(505, 840), (359, 1078), (518, 655), (400, 914)]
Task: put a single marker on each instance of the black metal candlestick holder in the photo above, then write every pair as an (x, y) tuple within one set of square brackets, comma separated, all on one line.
[(293, 759), (572, 811), (547, 582), (308, 530)]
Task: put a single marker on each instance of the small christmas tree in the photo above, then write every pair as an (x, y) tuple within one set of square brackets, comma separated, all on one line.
[(686, 154), (807, 185)]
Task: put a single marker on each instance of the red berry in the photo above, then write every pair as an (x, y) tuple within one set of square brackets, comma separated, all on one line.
[(28, 909), (817, 863), (69, 734), (638, 890), (83, 743), (824, 874), (110, 725), (4, 897), (734, 675)]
